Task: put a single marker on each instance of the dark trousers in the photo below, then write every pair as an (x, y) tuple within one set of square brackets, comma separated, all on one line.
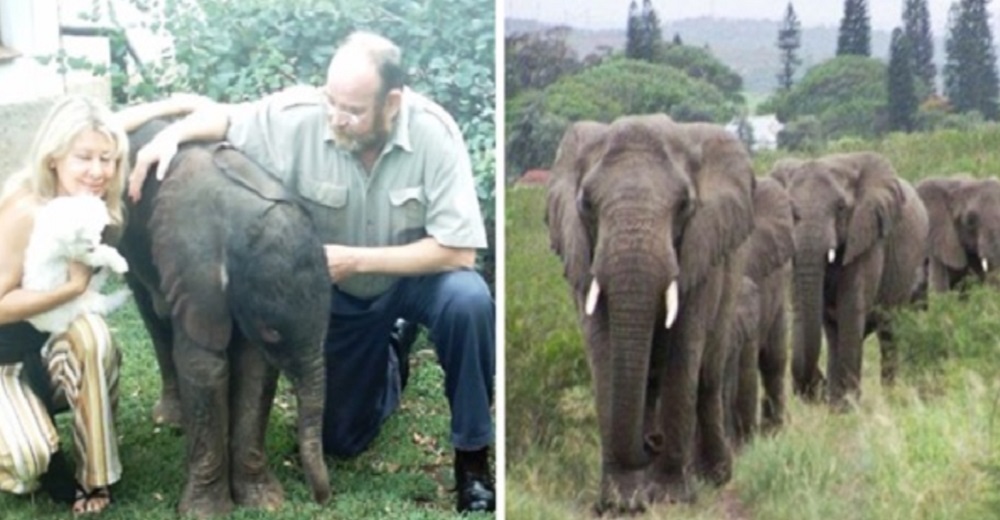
[(363, 380)]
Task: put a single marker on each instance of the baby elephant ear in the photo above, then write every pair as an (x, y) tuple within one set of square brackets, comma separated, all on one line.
[(879, 201), (943, 242)]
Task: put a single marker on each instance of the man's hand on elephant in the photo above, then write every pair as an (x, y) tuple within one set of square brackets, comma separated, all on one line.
[(341, 261), (161, 150)]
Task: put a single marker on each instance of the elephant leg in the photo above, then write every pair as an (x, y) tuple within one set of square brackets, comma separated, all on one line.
[(747, 391), (772, 361), (715, 455), (253, 386), (167, 410), (203, 383), (890, 355), (844, 363), (669, 475)]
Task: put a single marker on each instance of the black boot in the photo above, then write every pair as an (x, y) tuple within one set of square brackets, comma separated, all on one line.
[(401, 339), (474, 481)]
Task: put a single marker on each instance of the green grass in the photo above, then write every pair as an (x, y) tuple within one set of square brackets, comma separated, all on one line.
[(929, 448), (406, 474)]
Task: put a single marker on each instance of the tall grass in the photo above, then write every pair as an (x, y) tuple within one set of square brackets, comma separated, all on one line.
[(407, 473), (925, 449)]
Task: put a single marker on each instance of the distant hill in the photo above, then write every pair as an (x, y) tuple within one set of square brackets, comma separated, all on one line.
[(747, 46)]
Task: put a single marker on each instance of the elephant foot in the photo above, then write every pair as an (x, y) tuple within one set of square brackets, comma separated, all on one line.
[(205, 501), (716, 469), (167, 412), (671, 488), (811, 390), (625, 493), (258, 491)]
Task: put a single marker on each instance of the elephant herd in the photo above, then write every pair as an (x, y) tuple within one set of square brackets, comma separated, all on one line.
[(682, 266)]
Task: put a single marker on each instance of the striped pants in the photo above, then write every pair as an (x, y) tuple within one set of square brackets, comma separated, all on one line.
[(83, 365)]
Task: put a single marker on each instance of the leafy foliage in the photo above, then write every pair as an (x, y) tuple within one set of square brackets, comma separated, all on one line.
[(699, 63), (789, 41), (237, 51), (970, 70), (622, 86), (643, 34), (901, 89), (847, 94), (917, 25), (855, 34), (536, 60)]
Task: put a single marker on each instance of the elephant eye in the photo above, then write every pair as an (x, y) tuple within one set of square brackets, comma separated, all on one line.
[(971, 220), (583, 205)]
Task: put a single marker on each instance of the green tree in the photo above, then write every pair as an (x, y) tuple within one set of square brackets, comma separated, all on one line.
[(643, 35), (535, 60), (917, 26), (846, 94), (789, 41), (970, 70), (854, 36), (699, 63), (902, 94)]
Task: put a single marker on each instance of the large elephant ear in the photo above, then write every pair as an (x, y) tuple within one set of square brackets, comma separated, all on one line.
[(186, 247), (771, 245), (878, 198), (723, 180), (577, 153), (784, 169), (943, 242)]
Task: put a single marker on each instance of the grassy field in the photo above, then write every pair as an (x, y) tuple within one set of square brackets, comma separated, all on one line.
[(929, 448), (405, 475)]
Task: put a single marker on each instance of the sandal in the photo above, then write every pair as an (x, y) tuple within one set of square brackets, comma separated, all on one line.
[(93, 501)]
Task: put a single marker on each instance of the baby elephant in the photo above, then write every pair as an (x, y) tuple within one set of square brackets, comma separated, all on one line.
[(231, 281), (759, 329)]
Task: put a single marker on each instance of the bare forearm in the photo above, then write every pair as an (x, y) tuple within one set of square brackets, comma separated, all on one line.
[(421, 257), (20, 304), (205, 124)]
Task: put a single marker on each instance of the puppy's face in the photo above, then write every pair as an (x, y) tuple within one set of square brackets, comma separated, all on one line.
[(76, 222)]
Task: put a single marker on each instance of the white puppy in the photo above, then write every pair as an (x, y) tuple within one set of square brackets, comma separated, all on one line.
[(69, 229)]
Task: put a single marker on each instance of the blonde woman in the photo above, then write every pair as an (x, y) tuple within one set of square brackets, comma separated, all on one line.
[(81, 148)]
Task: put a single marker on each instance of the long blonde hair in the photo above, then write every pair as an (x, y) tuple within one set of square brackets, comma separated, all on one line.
[(66, 120)]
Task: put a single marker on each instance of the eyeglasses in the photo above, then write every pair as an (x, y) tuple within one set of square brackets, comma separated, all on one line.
[(350, 117)]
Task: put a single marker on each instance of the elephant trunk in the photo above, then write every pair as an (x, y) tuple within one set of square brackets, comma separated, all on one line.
[(637, 291), (810, 269), (310, 392)]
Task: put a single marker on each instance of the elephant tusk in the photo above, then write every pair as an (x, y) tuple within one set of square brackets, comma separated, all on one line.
[(986, 266), (831, 255), (671, 299), (592, 295)]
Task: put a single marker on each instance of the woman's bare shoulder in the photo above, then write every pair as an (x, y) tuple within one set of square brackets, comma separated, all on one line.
[(17, 218)]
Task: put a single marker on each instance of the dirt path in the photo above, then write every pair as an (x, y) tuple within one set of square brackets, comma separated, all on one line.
[(733, 506)]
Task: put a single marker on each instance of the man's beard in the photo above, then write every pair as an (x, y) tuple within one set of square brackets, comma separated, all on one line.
[(375, 138)]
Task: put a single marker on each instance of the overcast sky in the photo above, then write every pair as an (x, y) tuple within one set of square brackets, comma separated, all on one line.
[(885, 14)]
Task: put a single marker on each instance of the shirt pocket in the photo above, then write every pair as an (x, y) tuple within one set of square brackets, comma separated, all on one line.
[(408, 214), (327, 204)]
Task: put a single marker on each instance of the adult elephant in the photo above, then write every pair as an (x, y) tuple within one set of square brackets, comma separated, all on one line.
[(760, 352), (964, 238), (647, 216), (860, 236), (231, 283)]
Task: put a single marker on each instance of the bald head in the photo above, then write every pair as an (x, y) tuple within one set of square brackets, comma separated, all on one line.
[(366, 59)]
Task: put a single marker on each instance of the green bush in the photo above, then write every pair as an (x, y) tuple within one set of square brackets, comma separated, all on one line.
[(532, 136), (621, 86), (699, 63), (847, 94)]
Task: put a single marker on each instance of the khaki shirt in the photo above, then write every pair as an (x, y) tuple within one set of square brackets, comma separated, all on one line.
[(421, 184)]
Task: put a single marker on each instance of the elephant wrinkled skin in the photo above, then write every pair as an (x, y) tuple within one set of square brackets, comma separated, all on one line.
[(860, 239), (964, 235), (758, 337), (647, 216), (231, 283)]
